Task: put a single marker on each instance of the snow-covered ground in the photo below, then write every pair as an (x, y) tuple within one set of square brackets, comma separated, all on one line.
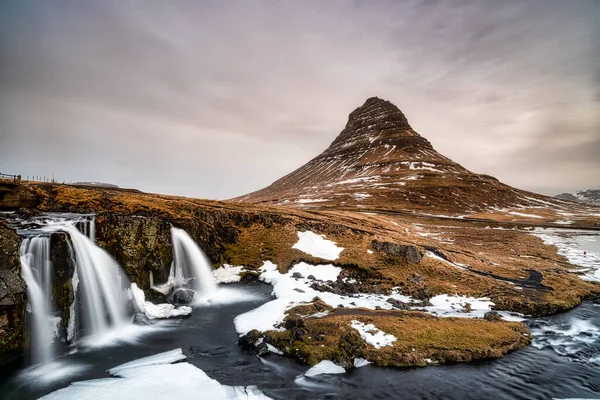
[(372, 335), (227, 274), (445, 305), (317, 246), (156, 377), (572, 246), (290, 292)]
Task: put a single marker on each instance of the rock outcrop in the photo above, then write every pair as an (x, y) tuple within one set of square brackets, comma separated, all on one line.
[(12, 293)]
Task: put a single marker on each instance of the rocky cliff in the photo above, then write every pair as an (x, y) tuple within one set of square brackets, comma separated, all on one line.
[(12, 294)]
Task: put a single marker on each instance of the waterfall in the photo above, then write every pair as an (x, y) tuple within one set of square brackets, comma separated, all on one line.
[(36, 270), (100, 302), (191, 268), (101, 284)]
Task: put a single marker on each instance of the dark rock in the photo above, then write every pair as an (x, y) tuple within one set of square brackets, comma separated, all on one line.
[(28, 212), (293, 321), (14, 196), (247, 341), (398, 304), (262, 350), (297, 275), (12, 292), (424, 303), (298, 333), (409, 252), (268, 339), (311, 277), (492, 316), (182, 296), (299, 290)]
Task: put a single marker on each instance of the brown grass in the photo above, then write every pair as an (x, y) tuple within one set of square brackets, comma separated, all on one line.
[(419, 337)]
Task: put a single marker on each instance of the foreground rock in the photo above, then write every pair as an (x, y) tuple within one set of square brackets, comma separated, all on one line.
[(12, 294)]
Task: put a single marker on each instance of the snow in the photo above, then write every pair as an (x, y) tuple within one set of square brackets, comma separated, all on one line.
[(155, 377), (372, 335), (418, 165), (436, 257), (563, 222), (167, 357), (370, 251), (361, 362), (454, 306), (365, 179), (525, 215), (412, 177), (317, 246), (325, 367), (155, 311), (290, 292), (307, 201), (568, 247), (227, 274)]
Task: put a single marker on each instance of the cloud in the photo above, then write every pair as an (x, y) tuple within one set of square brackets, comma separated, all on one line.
[(218, 98)]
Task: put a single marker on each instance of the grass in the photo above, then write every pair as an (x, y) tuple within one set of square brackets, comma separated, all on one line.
[(419, 337)]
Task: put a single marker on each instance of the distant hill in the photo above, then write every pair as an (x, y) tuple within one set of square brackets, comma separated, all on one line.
[(589, 196), (96, 184)]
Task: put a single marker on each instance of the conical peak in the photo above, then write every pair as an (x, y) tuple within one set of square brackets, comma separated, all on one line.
[(376, 121), (378, 109)]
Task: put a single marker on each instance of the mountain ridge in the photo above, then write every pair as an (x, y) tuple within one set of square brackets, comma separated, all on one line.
[(586, 196)]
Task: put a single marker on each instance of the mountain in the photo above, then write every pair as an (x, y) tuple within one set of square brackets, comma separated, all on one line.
[(589, 196), (378, 162)]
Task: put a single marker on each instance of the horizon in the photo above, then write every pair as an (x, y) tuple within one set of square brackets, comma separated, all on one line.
[(216, 100)]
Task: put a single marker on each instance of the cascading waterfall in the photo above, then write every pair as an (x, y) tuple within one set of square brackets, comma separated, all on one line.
[(104, 304), (191, 268), (36, 269), (99, 286)]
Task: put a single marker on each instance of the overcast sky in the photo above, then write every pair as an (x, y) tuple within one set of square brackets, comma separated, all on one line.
[(215, 99)]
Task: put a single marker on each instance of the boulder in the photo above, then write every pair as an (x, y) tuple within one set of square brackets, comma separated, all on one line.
[(492, 316), (409, 252)]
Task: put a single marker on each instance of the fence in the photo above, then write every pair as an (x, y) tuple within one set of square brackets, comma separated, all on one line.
[(13, 178), (21, 178)]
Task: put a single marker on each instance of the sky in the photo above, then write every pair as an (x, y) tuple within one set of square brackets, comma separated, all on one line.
[(214, 99)]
